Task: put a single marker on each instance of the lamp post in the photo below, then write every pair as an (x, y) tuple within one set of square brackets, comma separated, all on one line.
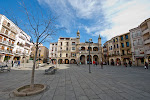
[(39, 55), (90, 41)]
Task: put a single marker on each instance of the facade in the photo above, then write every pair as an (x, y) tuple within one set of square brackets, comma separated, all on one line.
[(105, 53), (137, 46), (145, 28), (71, 51), (42, 54), (114, 51), (14, 43)]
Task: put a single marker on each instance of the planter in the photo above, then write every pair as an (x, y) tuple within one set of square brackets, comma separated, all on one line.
[(25, 90)]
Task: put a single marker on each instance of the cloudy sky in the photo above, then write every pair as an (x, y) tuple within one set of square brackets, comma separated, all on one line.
[(93, 17)]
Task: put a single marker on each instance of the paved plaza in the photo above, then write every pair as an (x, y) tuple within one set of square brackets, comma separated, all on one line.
[(73, 82)]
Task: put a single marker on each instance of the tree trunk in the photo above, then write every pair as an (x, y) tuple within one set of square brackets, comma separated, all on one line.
[(33, 69)]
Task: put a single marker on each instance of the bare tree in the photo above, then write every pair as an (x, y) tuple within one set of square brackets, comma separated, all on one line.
[(41, 28)]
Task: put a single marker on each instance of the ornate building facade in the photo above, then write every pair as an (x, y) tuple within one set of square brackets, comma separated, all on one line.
[(72, 51)]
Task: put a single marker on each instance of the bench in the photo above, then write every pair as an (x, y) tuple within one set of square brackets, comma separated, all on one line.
[(50, 70), (4, 67)]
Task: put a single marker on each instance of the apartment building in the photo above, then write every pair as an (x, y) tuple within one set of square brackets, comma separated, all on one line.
[(114, 51), (69, 50), (125, 48), (137, 46), (145, 28), (42, 54), (14, 43)]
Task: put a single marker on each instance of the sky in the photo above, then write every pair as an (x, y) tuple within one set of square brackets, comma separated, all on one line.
[(91, 17)]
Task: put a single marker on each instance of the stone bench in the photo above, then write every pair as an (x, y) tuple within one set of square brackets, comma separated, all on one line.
[(50, 70)]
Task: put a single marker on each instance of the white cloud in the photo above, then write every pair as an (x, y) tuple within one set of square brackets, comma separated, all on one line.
[(124, 15), (106, 17)]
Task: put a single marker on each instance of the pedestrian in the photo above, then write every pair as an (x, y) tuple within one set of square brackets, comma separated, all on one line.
[(101, 65), (12, 63), (146, 65), (130, 63), (96, 63), (125, 64), (19, 63), (93, 62)]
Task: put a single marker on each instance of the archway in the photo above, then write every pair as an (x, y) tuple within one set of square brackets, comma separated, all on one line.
[(95, 58), (118, 61), (59, 61), (89, 60), (82, 59), (73, 61), (95, 49), (89, 48), (53, 61), (66, 61), (112, 62), (82, 48)]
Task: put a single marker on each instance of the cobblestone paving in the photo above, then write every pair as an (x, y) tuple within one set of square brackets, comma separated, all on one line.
[(73, 82)]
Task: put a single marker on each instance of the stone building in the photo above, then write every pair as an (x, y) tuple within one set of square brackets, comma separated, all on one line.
[(137, 46), (42, 54), (14, 42), (145, 28), (70, 51)]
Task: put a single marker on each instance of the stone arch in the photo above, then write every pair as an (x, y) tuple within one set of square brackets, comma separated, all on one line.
[(82, 48), (95, 58), (89, 60), (66, 61), (73, 61), (60, 61), (118, 61), (82, 59), (95, 48)]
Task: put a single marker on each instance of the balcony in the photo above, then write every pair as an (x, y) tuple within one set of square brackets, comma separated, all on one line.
[(7, 43), (147, 41), (145, 31), (148, 51)]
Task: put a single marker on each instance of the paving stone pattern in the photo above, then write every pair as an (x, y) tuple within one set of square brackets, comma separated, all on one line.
[(72, 82)]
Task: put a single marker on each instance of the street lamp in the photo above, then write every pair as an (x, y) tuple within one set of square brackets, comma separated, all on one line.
[(39, 55), (90, 41)]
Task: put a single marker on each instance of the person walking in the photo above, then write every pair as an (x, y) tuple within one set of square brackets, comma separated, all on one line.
[(101, 65), (12, 63), (130, 63), (146, 65), (19, 63), (125, 64)]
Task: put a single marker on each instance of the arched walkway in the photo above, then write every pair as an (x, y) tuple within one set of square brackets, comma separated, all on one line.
[(89, 48), (53, 61), (82, 48), (95, 49), (95, 58), (73, 61), (60, 61), (112, 62), (89, 60), (118, 61), (66, 61), (82, 59)]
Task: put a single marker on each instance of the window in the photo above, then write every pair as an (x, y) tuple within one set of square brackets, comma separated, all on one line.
[(128, 51), (118, 52), (114, 40), (111, 47), (117, 45), (61, 43), (123, 52), (66, 55), (67, 43), (126, 36), (134, 42), (122, 45), (73, 43), (114, 46), (73, 48), (139, 41), (60, 48), (67, 49), (60, 55), (121, 38), (127, 44), (73, 54), (8, 24), (55, 49)]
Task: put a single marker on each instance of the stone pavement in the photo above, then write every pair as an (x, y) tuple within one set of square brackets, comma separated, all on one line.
[(73, 82)]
